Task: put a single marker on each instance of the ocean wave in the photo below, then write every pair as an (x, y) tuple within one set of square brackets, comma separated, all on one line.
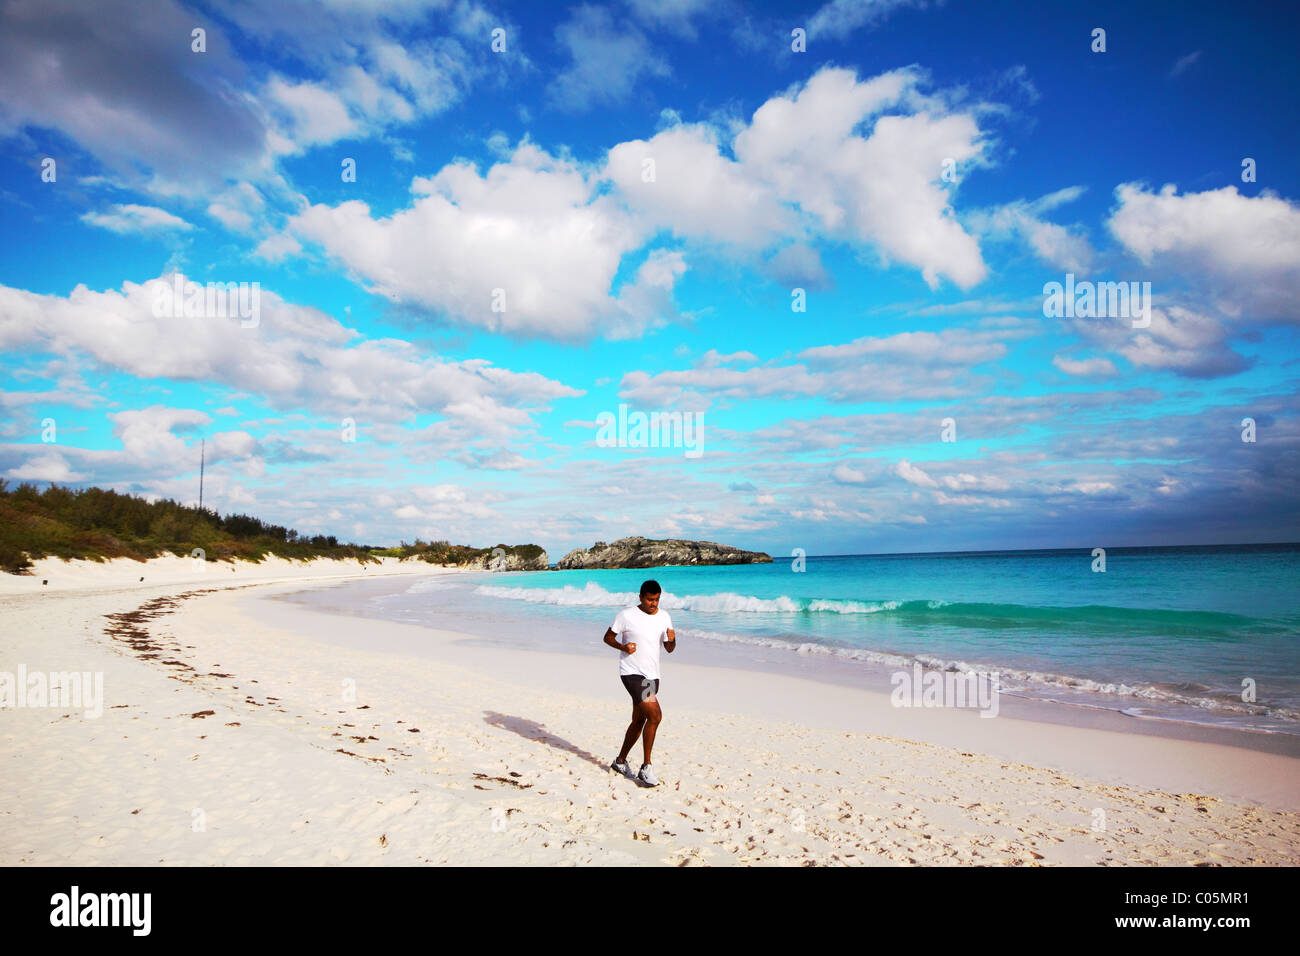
[(1130, 697), (929, 611), (593, 595), (1013, 680)]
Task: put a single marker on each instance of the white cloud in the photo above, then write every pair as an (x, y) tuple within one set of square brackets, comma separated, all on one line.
[(237, 207), (149, 433), (969, 501), (839, 18), (1184, 341), (1245, 251), (534, 228), (713, 358), (798, 266), (697, 192), (1092, 487), (605, 61), (907, 365), (1088, 368), (1054, 244), (551, 236), (277, 247), (800, 168), (125, 85), (1184, 63), (45, 466), (950, 347), (914, 475), (675, 16), (311, 113), (296, 357), (129, 217), (1179, 340), (882, 190)]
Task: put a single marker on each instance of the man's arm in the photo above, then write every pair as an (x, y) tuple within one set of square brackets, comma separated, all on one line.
[(611, 639), (671, 641)]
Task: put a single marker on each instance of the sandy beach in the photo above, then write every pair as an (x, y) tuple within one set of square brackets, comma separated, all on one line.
[(237, 727)]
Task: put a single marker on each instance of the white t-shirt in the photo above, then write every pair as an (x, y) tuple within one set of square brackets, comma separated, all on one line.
[(647, 632)]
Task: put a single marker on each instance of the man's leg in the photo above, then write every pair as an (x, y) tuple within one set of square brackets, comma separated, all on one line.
[(652, 716), (633, 731)]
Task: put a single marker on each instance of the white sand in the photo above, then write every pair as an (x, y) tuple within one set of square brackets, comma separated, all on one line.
[(509, 764)]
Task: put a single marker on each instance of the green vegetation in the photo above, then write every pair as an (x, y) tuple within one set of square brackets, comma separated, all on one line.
[(440, 552), (97, 524)]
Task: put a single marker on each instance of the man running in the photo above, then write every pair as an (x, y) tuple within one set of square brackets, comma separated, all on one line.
[(642, 629)]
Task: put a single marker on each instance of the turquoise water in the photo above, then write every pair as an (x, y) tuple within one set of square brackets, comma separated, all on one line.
[(1162, 632)]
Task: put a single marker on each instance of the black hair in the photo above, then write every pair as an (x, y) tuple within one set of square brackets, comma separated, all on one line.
[(650, 587)]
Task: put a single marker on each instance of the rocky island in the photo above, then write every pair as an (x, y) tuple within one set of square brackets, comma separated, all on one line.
[(638, 552), (502, 557)]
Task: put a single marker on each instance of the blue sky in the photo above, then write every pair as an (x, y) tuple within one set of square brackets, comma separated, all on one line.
[(562, 209)]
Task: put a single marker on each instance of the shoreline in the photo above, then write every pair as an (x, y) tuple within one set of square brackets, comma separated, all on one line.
[(482, 755), (875, 678), (769, 693)]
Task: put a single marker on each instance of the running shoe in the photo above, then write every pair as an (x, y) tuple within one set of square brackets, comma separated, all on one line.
[(647, 776), (620, 766)]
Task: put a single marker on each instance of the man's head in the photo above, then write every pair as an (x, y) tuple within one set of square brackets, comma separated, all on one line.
[(650, 593)]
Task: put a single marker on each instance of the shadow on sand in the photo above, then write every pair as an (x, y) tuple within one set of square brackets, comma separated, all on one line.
[(532, 730)]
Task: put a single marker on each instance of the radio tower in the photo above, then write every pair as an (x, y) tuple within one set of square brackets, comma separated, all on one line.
[(202, 451)]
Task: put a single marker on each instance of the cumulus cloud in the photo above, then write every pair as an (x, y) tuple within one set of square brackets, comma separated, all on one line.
[(44, 466), (150, 433), (1179, 340), (695, 191), (530, 248), (800, 169), (296, 357), (882, 190), (1244, 251)]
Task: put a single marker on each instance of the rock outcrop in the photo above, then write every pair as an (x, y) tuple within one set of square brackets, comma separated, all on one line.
[(502, 557), (638, 552)]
